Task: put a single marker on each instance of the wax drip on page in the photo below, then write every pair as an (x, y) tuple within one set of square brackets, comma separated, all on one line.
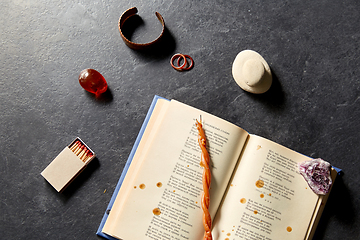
[(206, 179)]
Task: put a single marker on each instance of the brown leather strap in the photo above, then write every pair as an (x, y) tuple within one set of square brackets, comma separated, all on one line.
[(138, 46)]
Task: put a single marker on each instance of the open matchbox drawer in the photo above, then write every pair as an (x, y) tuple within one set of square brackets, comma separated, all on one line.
[(68, 164)]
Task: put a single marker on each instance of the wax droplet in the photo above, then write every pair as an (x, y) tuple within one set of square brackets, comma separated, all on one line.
[(255, 212), (142, 186), (134, 186), (259, 183), (228, 234), (289, 229), (159, 184), (258, 147), (173, 190), (269, 194), (222, 231), (227, 239), (92, 81), (262, 195), (243, 200), (156, 211)]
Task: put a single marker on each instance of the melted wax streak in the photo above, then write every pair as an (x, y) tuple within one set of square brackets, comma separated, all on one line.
[(206, 179)]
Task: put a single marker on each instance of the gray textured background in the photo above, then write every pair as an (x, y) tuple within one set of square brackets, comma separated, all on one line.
[(312, 48)]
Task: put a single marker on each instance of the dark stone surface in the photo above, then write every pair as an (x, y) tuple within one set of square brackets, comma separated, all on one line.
[(312, 107)]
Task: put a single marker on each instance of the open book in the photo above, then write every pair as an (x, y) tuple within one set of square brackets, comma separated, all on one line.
[(256, 190)]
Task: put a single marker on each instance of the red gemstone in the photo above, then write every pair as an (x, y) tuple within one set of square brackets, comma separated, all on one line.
[(92, 81)]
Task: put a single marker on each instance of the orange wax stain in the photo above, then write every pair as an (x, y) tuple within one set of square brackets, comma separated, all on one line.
[(142, 186), (222, 230), (232, 185), (262, 195), (269, 194), (159, 184), (258, 147), (289, 229), (255, 212), (227, 239), (259, 183), (228, 234), (134, 186), (156, 211), (173, 190), (243, 200)]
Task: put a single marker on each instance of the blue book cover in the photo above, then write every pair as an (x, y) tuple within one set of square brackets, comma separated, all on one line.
[(127, 165)]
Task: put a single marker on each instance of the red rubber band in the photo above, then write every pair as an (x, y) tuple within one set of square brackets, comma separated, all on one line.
[(183, 67), (178, 55), (178, 62)]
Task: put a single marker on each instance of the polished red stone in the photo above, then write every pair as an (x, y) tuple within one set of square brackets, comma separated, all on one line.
[(92, 81)]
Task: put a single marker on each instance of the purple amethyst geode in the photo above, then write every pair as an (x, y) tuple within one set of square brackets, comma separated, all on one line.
[(317, 174)]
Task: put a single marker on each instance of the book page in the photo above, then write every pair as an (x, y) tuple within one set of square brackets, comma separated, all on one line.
[(268, 198), (163, 198), (319, 208), (151, 128)]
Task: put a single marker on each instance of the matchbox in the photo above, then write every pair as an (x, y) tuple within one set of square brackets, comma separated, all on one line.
[(68, 164)]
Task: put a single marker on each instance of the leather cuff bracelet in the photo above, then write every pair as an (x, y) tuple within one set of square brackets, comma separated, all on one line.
[(138, 46)]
